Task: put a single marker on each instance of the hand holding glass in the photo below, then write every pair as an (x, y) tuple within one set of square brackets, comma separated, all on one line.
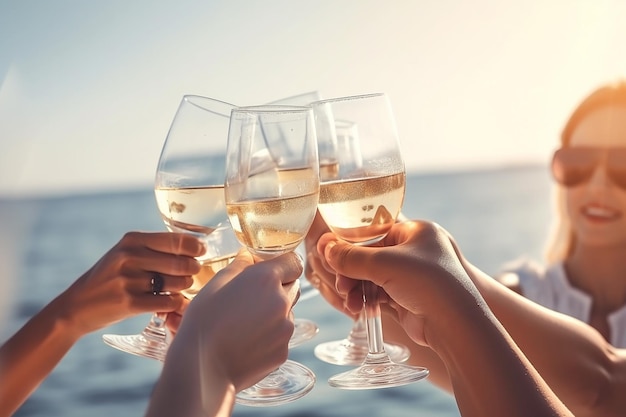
[(360, 204), (189, 191), (346, 152)]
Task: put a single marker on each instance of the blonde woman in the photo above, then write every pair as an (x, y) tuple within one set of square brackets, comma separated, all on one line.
[(585, 276)]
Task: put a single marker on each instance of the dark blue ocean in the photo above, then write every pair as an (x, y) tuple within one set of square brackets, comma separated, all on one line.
[(496, 216)]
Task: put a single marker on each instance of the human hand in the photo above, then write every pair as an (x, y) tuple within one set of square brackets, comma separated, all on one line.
[(318, 273), (241, 321), (173, 318), (119, 284), (417, 267)]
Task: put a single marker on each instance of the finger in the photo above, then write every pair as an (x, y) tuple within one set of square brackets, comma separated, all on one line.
[(335, 300), (308, 267), (354, 298), (345, 285), (160, 262), (293, 291), (172, 321), (321, 244), (317, 272), (162, 303), (167, 242), (148, 282), (242, 261), (391, 309), (355, 261), (160, 283)]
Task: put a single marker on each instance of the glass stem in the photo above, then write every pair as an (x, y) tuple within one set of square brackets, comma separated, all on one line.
[(155, 330), (358, 333), (373, 319)]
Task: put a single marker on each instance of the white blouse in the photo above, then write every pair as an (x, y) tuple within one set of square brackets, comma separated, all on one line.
[(550, 288)]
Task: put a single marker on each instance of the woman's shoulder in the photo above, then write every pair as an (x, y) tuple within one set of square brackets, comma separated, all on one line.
[(524, 265), (544, 284), (521, 268)]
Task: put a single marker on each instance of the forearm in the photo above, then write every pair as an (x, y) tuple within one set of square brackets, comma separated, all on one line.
[(586, 372), (190, 386), (31, 354), (489, 374)]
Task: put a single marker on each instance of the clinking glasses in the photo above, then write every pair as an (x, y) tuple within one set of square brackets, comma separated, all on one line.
[(572, 166)]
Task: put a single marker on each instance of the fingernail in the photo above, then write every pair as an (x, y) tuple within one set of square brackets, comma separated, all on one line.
[(330, 245)]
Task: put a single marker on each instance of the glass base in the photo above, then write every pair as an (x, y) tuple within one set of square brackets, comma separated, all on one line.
[(354, 351), (138, 344), (378, 372), (303, 331), (288, 383)]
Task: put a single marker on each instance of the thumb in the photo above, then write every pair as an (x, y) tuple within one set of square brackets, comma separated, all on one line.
[(224, 276), (353, 261), (288, 267)]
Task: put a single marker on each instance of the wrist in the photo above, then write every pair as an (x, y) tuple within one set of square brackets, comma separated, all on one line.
[(192, 381), (450, 330), (64, 320), (454, 311)]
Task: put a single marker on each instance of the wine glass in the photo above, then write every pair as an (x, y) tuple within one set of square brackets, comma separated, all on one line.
[(304, 329), (271, 200), (360, 205), (189, 191), (353, 349), (222, 248)]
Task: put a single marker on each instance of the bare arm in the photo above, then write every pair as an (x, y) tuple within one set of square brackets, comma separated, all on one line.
[(116, 287), (584, 370), (489, 374), (324, 279), (31, 354), (439, 307)]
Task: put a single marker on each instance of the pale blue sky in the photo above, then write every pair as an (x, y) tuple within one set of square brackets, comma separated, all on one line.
[(88, 88)]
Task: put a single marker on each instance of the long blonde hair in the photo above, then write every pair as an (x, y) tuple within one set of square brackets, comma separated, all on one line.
[(562, 239)]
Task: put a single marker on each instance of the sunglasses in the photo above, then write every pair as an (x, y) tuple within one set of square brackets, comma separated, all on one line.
[(572, 166)]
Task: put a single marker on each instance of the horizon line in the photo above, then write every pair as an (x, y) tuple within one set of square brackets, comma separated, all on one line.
[(123, 188)]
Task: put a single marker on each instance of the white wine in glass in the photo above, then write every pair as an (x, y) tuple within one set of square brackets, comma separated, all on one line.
[(359, 205), (207, 272), (271, 200), (189, 193), (222, 247), (304, 329)]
